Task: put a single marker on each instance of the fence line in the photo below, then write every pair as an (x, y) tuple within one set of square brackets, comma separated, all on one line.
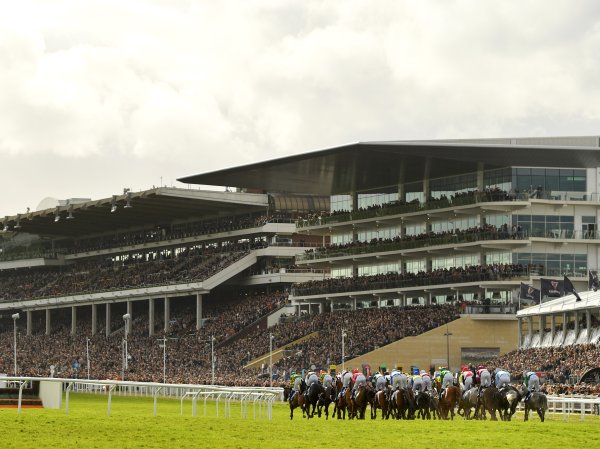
[(263, 397)]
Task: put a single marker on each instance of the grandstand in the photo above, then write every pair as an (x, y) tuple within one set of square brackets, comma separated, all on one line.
[(376, 241)]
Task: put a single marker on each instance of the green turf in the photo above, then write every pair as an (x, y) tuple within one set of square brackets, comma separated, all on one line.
[(132, 425)]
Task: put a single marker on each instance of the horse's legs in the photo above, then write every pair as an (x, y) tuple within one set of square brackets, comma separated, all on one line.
[(541, 413)]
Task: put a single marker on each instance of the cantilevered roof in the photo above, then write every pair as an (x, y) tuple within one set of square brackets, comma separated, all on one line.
[(370, 165), (568, 303), (147, 208)]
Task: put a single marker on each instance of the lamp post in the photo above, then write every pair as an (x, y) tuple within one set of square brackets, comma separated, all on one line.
[(271, 359), (447, 335), (126, 318), (343, 355), (212, 357), (15, 317), (163, 343), (87, 354)]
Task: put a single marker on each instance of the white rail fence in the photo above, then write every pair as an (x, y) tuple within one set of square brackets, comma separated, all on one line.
[(261, 399)]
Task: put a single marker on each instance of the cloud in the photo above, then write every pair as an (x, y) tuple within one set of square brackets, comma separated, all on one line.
[(197, 86)]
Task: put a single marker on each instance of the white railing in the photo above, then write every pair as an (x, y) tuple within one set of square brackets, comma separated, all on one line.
[(568, 405), (260, 397)]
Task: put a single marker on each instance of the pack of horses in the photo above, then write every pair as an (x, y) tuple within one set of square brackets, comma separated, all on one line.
[(404, 403)]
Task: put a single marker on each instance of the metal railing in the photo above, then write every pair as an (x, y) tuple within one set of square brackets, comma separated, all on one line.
[(223, 396), (463, 200)]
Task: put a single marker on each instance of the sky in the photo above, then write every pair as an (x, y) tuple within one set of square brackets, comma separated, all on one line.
[(97, 96)]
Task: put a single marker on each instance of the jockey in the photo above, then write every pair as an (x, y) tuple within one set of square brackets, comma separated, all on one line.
[(311, 378), (485, 379), (380, 382), (502, 378), (360, 381), (327, 380), (417, 383), (466, 379), (295, 384), (399, 380), (447, 380), (346, 379), (532, 383), (426, 380)]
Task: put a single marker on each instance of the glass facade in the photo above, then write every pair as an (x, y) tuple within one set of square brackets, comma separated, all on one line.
[(555, 264), (545, 225), (504, 179), (549, 179)]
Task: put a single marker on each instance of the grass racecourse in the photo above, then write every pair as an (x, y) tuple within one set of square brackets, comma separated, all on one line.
[(132, 425)]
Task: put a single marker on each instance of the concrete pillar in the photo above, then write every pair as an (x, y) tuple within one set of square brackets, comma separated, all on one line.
[(530, 328), (354, 303), (401, 189), (480, 185), (107, 326), (73, 320), (94, 319), (576, 316), (29, 321), (321, 308), (520, 332), (426, 173), (542, 330), (297, 307), (552, 327), (150, 317), (588, 324), (564, 327), (48, 322), (198, 311), (167, 313)]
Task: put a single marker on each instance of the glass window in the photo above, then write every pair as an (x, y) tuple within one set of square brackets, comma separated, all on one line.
[(586, 219)]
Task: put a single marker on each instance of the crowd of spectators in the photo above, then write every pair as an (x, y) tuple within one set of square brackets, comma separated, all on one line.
[(399, 206), (366, 330), (189, 265), (472, 273), (188, 351), (178, 231), (149, 235), (486, 232), (560, 366)]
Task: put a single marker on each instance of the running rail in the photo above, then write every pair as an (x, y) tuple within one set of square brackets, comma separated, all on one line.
[(264, 396)]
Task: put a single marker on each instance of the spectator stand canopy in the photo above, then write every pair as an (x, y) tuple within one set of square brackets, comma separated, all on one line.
[(163, 205), (370, 165)]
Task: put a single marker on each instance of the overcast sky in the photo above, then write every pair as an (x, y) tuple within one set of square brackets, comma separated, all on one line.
[(96, 96)]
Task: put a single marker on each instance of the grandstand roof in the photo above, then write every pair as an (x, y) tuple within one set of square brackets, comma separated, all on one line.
[(370, 165), (568, 303), (161, 205)]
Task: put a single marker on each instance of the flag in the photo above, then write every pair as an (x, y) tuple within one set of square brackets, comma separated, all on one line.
[(593, 282), (529, 292), (568, 286), (551, 288)]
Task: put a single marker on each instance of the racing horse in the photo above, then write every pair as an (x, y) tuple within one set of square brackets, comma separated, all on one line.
[(491, 401), (359, 403), (423, 401), (381, 401), (536, 401), (312, 398), (513, 397), (298, 401), (448, 401), (434, 405), (343, 402), (469, 400), (403, 404), (327, 397)]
